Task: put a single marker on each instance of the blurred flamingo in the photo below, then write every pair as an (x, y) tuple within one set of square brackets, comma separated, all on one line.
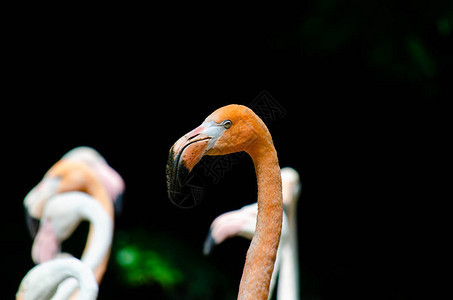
[(81, 169)]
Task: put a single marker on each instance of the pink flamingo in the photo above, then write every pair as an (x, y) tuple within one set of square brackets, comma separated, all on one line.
[(81, 169), (230, 129)]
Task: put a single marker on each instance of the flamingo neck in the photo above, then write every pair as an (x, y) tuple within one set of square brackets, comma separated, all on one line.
[(98, 191), (262, 252), (288, 279), (88, 287), (97, 249), (82, 276), (100, 235), (42, 281)]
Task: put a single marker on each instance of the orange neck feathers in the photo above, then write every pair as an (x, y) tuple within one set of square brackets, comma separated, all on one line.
[(262, 252)]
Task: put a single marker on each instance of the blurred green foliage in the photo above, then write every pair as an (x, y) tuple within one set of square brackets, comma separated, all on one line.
[(156, 259), (147, 266)]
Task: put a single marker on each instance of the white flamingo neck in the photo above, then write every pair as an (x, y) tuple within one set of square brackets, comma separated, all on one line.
[(288, 278), (67, 210), (42, 281), (73, 207)]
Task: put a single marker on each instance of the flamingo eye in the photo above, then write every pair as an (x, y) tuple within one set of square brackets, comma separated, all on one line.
[(227, 124)]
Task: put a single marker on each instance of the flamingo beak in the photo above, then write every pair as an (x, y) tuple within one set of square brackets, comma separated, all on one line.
[(183, 156), (186, 153)]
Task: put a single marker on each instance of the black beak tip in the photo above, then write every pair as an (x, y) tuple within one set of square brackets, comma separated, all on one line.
[(178, 187), (209, 244), (32, 224)]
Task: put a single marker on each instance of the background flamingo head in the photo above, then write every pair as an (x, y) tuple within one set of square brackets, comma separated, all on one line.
[(110, 179)]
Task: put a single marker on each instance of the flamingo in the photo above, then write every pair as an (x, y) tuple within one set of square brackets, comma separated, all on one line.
[(41, 282), (230, 129), (61, 215), (242, 222), (81, 169)]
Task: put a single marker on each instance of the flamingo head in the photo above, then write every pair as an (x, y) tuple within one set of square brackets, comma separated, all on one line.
[(241, 222), (229, 129), (110, 179), (36, 200)]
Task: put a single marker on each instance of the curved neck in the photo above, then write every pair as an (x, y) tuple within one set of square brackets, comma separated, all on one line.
[(42, 281), (97, 249), (86, 281), (100, 235), (262, 252)]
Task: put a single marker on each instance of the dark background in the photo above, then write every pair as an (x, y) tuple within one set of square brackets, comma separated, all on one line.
[(355, 80)]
